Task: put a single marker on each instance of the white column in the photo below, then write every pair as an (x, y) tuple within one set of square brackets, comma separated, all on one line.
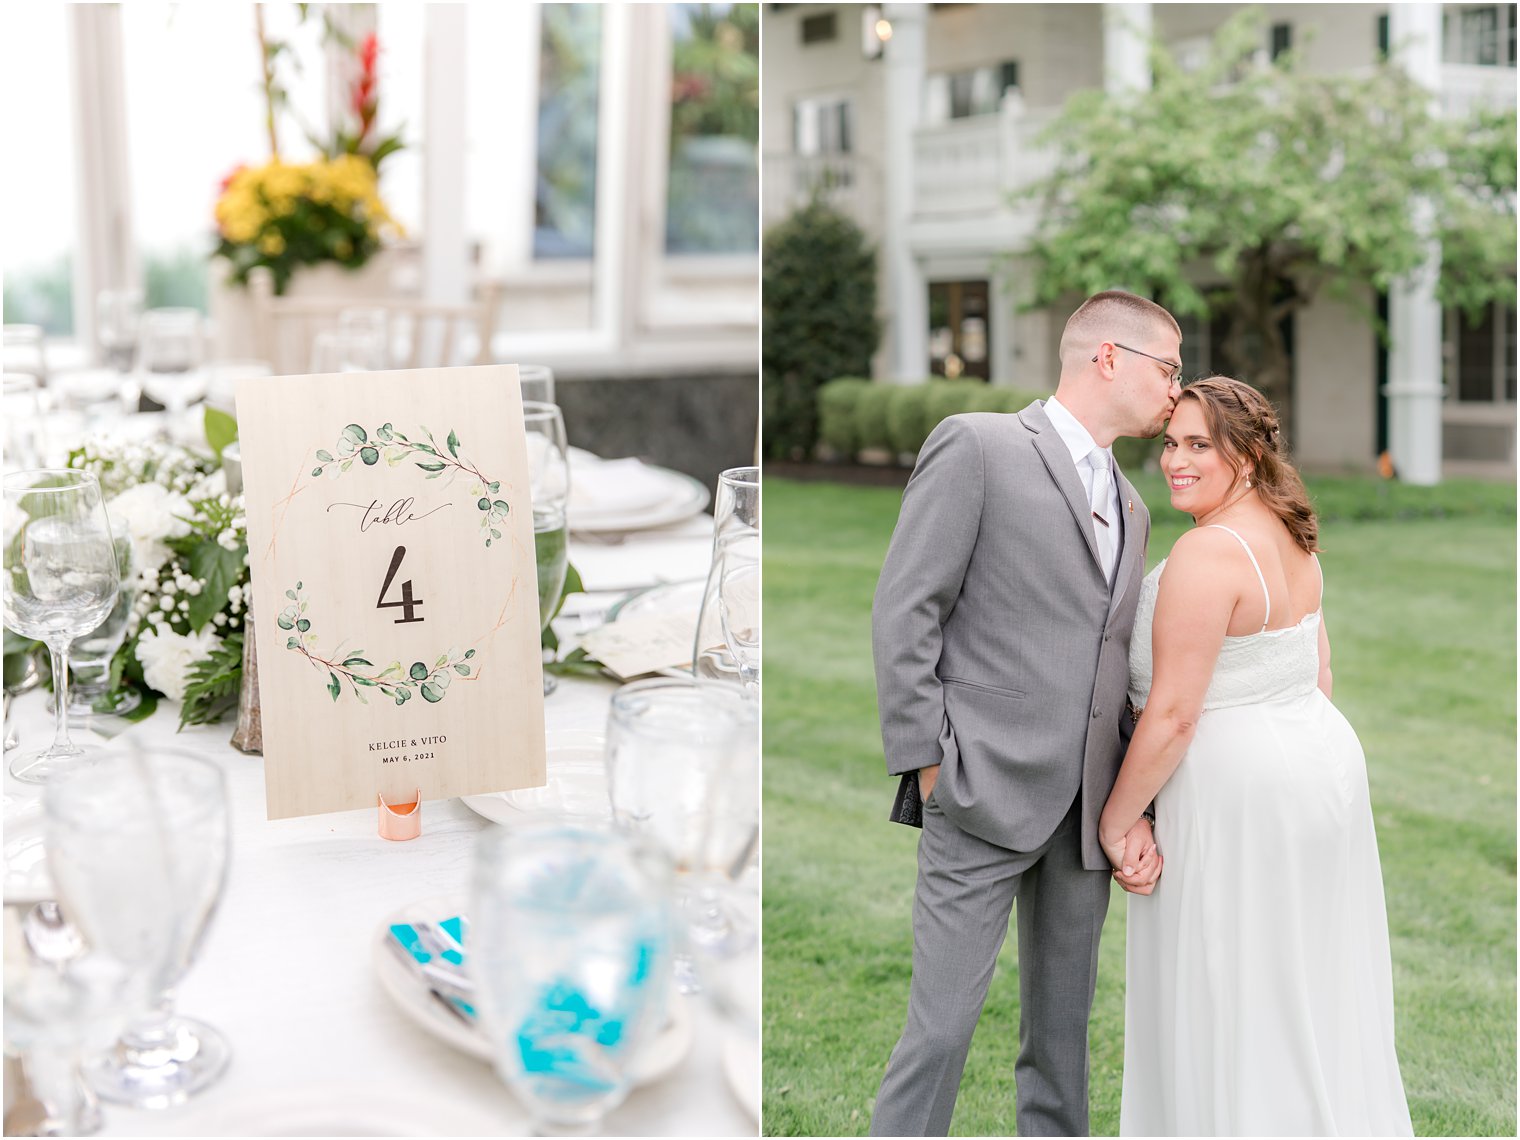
[(907, 292), (105, 254), (1126, 47), (1414, 315), (445, 242)]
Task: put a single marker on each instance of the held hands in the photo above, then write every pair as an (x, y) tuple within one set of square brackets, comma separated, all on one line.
[(1136, 859)]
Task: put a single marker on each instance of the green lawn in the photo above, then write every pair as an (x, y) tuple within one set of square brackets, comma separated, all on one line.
[(1420, 604)]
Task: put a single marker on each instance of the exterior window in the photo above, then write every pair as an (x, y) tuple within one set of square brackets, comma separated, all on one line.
[(1282, 39), (822, 126), (569, 59), (1484, 36), (820, 29), (964, 94), (959, 345), (39, 211), (713, 196), (1484, 356)]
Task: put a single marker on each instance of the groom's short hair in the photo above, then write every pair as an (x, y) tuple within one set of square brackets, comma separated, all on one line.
[(1109, 315)]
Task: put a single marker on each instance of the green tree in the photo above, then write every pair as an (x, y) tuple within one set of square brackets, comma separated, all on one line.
[(1244, 189), (818, 319)]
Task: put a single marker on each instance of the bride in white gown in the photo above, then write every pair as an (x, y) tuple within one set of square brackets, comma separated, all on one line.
[(1259, 993)]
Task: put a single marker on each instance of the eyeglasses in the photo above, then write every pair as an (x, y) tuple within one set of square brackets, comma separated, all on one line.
[(1174, 370)]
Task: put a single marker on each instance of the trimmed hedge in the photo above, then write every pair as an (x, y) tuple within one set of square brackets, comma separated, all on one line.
[(855, 414)]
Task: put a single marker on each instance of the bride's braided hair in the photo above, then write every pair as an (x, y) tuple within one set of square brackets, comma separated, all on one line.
[(1246, 429)]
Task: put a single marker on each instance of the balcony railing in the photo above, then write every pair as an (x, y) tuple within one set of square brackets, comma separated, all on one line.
[(848, 182), (974, 166), (1467, 88)]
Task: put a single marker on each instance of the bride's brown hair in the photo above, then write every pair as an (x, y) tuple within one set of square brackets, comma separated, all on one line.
[(1246, 429)]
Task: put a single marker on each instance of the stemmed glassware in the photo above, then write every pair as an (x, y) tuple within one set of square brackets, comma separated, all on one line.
[(118, 315), (537, 383), (549, 481), (683, 770), (90, 657), (170, 355), (25, 428), (727, 643), (570, 950), (60, 581), (138, 847)]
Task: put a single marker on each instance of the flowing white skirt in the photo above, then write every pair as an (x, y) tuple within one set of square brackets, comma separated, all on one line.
[(1259, 994)]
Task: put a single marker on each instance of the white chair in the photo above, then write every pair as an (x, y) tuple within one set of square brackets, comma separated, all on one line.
[(421, 334)]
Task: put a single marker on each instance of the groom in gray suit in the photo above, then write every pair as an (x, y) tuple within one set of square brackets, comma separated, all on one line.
[(1001, 630)]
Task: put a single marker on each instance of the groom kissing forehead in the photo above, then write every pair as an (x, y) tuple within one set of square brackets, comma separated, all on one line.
[(1000, 632)]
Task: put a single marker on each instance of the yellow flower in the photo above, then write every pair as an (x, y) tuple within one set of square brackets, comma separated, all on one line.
[(272, 244)]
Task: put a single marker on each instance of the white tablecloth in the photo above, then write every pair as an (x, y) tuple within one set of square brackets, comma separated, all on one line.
[(285, 970)]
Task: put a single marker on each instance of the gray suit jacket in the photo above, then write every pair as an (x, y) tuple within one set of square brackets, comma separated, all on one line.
[(1001, 652)]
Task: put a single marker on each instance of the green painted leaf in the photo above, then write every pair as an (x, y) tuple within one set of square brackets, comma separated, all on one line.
[(418, 671), (432, 693), (298, 585), (499, 505), (495, 533), (325, 456), (350, 662), (316, 472), (385, 431), (292, 643), (405, 694), (291, 594), (333, 687), (401, 697), (494, 486), (284, 622), (453, 444), (365, 681), (484, 504), (369, 455), (462, 670), (431, 466), (303, 624), (355, 433), (347, 463), (468, 653)]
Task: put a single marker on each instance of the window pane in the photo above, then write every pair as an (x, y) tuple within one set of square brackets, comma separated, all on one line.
[(564, 216), (39, 223), (713, 200), (1475, 358), (195, 110)]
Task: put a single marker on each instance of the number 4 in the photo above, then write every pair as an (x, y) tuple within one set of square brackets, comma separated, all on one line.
[(407, 603)]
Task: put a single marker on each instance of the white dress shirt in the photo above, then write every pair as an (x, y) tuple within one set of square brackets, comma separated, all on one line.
[(1080, 443)]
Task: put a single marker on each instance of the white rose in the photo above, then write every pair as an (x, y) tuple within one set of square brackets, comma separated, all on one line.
[(212, 486), (167, 656), (148, 514)]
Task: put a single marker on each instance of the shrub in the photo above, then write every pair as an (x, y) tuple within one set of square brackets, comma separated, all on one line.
[(950, 397), (837, 401), (1135, 455), (908, 417), (818, 319), (871, 415)]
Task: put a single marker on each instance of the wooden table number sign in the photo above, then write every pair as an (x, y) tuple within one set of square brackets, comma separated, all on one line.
[(390, 539)]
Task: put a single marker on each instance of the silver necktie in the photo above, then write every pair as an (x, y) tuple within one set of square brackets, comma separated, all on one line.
[(1105, 525)]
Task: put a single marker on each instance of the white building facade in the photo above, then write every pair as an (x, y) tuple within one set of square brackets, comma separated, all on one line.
[(924, 136)]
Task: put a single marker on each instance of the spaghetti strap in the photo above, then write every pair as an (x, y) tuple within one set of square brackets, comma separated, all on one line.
[(1321, 607), (1259, 577)]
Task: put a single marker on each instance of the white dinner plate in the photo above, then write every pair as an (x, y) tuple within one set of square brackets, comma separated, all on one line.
[(683, 497), (405, 987), (576, 776), (345, 1109), (741, 1065), (676, 597)]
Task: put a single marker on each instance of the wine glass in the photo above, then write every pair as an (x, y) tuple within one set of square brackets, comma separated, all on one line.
[(90, 658), (61, 581), (682, 761), (118, 315), (571, 934), (725, 630), (138, 846), (170, 355), (537, 383), (549, 484)]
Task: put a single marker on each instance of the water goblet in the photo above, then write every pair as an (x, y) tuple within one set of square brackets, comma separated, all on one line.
[(170, 355), (679, 753), (549, 488), (571, 933), (60, 582), (138, 846), (90, 658), (537, 383), (118, 315), (735, 555)]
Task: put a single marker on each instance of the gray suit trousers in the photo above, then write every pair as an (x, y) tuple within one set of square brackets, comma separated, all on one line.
[(966, 888)]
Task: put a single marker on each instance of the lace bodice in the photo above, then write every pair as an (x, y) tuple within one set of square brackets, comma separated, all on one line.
[(1269, 666)]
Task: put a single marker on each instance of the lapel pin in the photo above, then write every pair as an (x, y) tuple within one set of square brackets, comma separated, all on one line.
[(1132, 506)]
